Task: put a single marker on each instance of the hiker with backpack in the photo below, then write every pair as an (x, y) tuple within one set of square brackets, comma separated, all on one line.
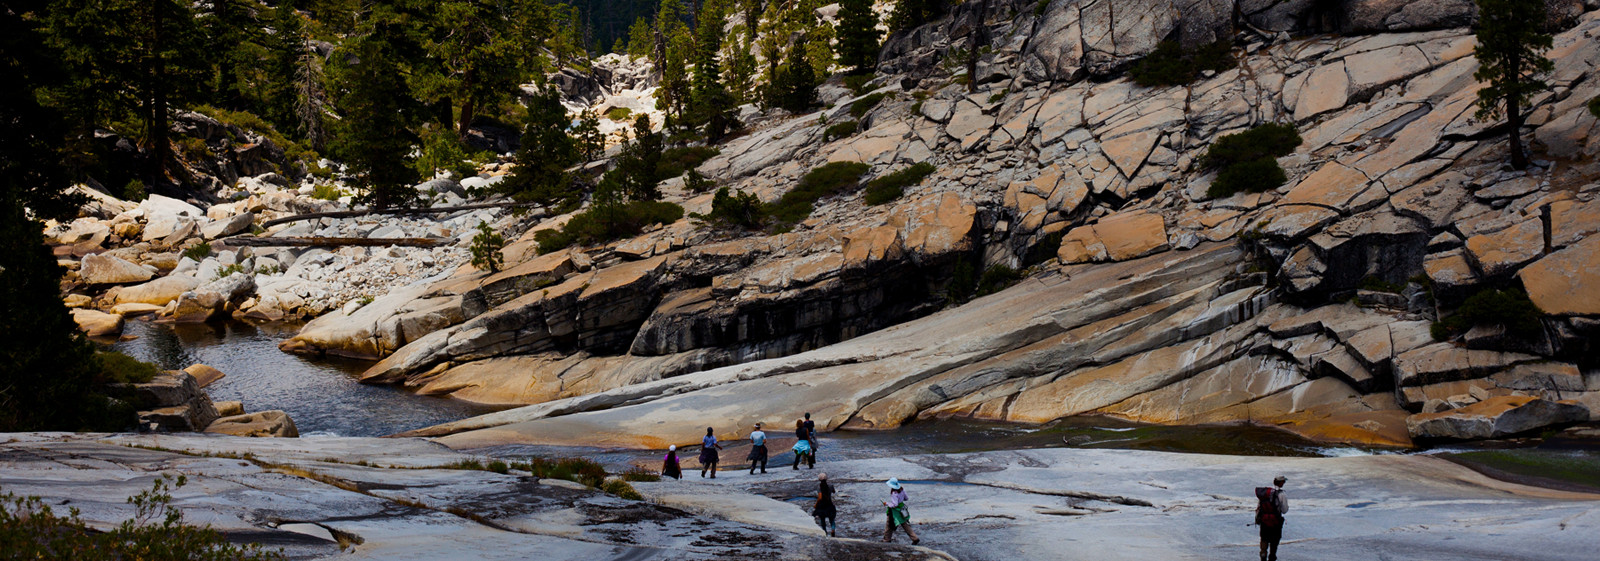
[(1270, 508), (898, 512)]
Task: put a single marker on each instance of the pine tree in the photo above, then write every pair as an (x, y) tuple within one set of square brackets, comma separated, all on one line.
[(638, 162), (641, 40), (235, 33), (376, 137), (47, 376), (591, 144), (547, 151), (909, 14), (473, 58), (858, 34), (1510, 52), (795, 87), (713, 105)]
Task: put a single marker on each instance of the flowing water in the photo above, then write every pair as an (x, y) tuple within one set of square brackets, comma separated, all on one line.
[(320, 394)]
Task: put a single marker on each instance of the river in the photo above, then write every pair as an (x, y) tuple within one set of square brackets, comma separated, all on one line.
[(320, 394)]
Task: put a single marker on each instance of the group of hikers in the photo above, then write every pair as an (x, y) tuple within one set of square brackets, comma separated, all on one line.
[(896, 510), (1270, 509)]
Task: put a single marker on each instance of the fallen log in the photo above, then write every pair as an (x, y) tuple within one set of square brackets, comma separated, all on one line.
[(368, 212), (336, 242)]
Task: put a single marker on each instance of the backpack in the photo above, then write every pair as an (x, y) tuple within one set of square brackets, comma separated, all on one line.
[(1266, 509)]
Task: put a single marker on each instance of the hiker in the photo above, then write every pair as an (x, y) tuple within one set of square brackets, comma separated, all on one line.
[(1270, 508), (758, 450), (811, 430), (805, 449), (825, 512), (669, 465), (898, 512), (708, 454)]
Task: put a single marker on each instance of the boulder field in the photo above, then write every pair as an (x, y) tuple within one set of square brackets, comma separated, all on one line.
[(1310, 307)]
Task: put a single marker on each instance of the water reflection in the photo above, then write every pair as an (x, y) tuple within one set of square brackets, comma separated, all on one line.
[(320, 394)]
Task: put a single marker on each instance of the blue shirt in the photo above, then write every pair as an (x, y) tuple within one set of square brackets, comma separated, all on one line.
[(758, 438)]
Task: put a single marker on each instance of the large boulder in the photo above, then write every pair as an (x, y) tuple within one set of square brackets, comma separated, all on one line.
[(176, 403), (273, 423), (204, 375), (1102, 36), (1118, 237), (1566, 282), (109, 269), (1495, 417), (157, 292), (95, 323), (228, 226)]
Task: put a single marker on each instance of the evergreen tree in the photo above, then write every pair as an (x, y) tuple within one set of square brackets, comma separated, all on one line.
[(675, 89), (713, 105), (741, 63), (477, 60), (641, 39), (237, 40), (1510, 52), (909, 14), (858, 34), (818, 36), (376, 136), (154, 50), (636, 174), (591, 144), (547, 151), (48, 380), (795, 87)]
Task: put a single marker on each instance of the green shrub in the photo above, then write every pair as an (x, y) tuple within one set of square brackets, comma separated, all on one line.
[(326, 192), (601, 224), (696, 183), (1039, 8), (1045, 250), (1509, 308), (578, 470), (996, 279), (825, 180), (1253, 177), (619, 113), (443, 150), (1594, 106), (963, 281), (675, 161), (486, 246), (997, 96), (134, 191), (230, 270), (839, 130), (118, 368), (1247, 161), (890, 186), (499, 467), (641, 474), (199, 251), (858, 83), (621, 489), (860, 107), (1376, 284), (735, 209), (294, 151), (1170, 65), (194, 149), (30, 529)]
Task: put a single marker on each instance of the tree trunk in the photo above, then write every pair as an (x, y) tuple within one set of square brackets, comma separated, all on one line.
[(1519, 160)]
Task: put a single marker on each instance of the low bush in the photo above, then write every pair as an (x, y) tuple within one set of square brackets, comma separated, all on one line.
[(578, 470), (134, 191), (641, 474), (1170, 65), (254, 123), (823, 181), (839, 130), (621, 489), (619, 113), (326, 192), (1044, 250), (736, 209), (675, 161), (997, 96), (498, 466), (1594, 106), (696, 183), (1509, 308), (963, 281), (199, 251), (30, 529), (996, 279), (1247, 161), (117, 368), (860, 107), (890, 186), (857, 83), (601, 224), (233, 269), (1376, 284)]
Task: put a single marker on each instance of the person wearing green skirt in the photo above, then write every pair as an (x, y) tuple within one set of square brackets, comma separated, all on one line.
[(899, 514)]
